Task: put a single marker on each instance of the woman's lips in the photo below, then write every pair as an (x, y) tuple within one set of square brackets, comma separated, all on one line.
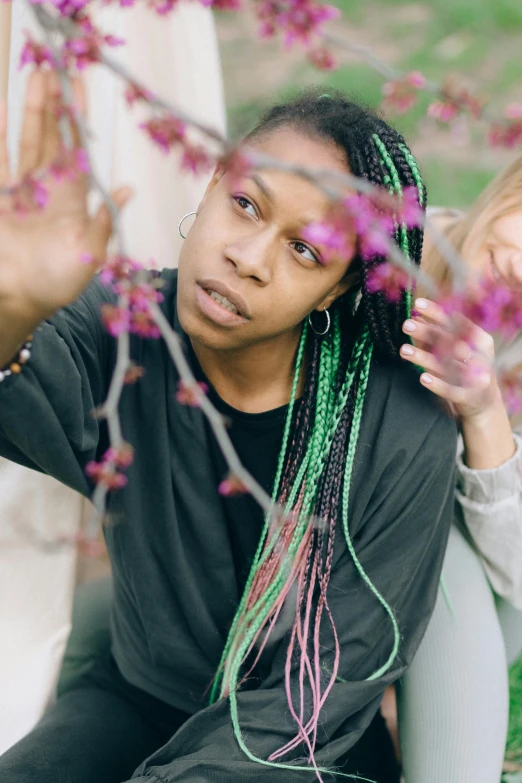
[(215, 311)]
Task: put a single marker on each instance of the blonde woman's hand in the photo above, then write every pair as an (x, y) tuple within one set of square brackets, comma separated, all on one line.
[(41, 268), (460, 371)]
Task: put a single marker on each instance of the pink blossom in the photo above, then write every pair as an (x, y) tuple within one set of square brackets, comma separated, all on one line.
[(190, 394), (493, 307), (104, 472), (70, 7), (400, 95), (416, 79), (510, 382), (69, 163), (118, 268), (142, 324), (322, 58), (165, 131), (373, 225), (454, 101), (409, 211), (334, 237), (140, 295), (134, 373), (133, 93), (86, 49), (232, 485), (508, 133), (115, 319), (29, 195), (298, 20), (163, 7), (121, 457), (195, 158), (222, 5), (36, 54), (444, 112), (237, 164), (389, 279)]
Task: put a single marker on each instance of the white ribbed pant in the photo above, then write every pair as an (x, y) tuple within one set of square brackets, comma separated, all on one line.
[(453, 701)]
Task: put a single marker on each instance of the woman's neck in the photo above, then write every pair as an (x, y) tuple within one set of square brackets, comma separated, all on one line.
[(254, 379)]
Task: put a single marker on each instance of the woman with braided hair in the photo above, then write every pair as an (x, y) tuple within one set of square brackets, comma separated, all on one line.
[(242, 648)]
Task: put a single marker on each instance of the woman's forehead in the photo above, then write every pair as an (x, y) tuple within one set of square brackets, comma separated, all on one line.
[(289, 192), (507, 230), (298, 148)]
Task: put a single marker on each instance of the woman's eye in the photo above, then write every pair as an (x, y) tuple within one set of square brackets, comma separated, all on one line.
[(305, 251), (245, 205)]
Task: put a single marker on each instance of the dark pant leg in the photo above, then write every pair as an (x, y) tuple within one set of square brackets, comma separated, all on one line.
[(373, 755), (99, 732)]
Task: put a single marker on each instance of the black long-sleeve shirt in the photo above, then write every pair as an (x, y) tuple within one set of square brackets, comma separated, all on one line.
[(179, 550)]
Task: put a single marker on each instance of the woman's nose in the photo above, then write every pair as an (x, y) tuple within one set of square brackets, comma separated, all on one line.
[(252, 257)]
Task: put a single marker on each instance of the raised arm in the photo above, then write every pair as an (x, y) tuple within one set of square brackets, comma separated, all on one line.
[(45, 410), (41, 250), (489, 464)]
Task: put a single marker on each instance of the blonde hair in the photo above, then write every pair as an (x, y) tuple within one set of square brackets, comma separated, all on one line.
[(467, 233)]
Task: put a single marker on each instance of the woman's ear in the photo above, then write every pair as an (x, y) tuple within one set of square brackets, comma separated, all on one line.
[(216, 176), (350, 280)]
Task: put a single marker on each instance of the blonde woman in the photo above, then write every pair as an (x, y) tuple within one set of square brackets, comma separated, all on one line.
[(453, 702)]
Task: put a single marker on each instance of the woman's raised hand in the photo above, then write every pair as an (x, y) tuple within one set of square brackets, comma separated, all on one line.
[(41, 250), (466, 377)]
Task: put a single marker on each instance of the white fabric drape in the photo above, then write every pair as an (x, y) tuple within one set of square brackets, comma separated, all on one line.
[(178, 58)]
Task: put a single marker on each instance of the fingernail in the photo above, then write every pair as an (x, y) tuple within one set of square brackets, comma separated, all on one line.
[(407, 350), (425, 378), (409, 326), (421, 304)]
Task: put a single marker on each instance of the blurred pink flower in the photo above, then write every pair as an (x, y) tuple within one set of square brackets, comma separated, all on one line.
[(196, 159), (334, 237), (232, 485), (36, 54), (188, 395), (115, 319), (165, 131), (29, 195), (389, 279), (401, 95), (322, 58), (298, 20)]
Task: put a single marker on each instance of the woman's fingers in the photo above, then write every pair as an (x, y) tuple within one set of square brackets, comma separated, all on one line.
[(5, 177), (52, 138), (431, 310), (456, 395), (80, 108), (422, 358), (30, 146)]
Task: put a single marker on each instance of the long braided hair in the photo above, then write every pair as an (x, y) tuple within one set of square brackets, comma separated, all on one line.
[(293, 561)]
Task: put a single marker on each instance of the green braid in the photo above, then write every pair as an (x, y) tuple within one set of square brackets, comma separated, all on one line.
[(352, 445), (396, 187), (277, 481), (414, 168)]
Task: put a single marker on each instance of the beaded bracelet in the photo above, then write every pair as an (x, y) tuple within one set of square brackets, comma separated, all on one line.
[(24, 354)]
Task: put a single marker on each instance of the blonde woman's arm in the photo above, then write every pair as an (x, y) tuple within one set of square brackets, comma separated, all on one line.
[(489, 488)]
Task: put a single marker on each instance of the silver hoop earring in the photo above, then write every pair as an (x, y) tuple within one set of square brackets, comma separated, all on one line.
[(327, 329), (181, 222)]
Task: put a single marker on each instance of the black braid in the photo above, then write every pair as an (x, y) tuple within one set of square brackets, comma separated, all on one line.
[(352, 129)]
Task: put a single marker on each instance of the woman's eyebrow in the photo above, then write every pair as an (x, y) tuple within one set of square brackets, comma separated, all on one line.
[(502, 241), (263, 187)]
